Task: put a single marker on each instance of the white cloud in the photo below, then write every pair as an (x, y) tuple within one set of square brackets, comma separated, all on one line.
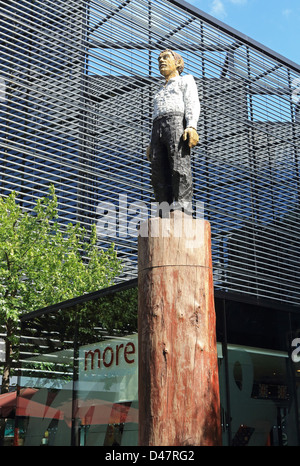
[(218, 9), (238, 2), (287, 12)]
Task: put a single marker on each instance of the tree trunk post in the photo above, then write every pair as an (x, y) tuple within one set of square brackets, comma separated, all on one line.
[(178, 369)]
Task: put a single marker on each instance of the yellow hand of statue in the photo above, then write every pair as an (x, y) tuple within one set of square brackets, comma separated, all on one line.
[(148, 152), (191, 135)]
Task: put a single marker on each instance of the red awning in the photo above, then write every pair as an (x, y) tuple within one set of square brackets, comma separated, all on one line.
[(91, 411), (32, 408), (8, 401)]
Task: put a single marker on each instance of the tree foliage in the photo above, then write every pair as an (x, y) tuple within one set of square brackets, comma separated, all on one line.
[(42, 263)]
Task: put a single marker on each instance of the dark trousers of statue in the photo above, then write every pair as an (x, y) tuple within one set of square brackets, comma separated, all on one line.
[(171, 163)]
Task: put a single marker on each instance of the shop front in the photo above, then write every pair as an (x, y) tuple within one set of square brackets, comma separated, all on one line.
[(101, 407), (82, 374)]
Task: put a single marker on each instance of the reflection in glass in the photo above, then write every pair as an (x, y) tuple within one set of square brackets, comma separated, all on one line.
[(79, 373)]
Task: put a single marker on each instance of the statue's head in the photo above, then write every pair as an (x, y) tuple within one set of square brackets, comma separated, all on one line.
[(169, 55)]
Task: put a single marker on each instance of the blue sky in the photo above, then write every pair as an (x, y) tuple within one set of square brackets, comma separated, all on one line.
[(274, 23)]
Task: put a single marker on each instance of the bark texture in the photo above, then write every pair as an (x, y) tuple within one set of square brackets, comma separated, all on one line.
[(178, 369)]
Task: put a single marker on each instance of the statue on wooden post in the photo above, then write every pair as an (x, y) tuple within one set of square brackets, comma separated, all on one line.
[(179, 402), (175, 116)]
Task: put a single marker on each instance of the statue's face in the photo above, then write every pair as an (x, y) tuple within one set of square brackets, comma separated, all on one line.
[(167, 65)]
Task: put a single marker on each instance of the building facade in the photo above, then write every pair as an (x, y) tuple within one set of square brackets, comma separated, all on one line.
[(76, 85), (78, 377)]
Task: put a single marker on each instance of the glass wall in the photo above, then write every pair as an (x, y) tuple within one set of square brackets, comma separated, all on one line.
[(259, 380), (78, 378), (80, 364)]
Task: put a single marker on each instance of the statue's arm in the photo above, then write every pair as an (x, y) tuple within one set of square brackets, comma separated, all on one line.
[(192, 110)]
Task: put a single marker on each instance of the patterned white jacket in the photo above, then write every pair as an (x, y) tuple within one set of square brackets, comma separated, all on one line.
[(180, 94)]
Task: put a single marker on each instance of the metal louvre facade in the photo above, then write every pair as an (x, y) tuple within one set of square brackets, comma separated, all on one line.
[(76, 84)]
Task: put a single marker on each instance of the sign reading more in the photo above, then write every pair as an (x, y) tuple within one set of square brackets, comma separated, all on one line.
[(110, 355)]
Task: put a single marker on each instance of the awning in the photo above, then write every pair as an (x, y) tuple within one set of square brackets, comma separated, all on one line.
[(30, 408), (90, 411), (8, 401)]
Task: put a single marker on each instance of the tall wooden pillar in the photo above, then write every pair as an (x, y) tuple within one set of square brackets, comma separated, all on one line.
[(178, 369)]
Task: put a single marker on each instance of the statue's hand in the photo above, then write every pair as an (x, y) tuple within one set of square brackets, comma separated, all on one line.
[(148, 152), (191, 135)]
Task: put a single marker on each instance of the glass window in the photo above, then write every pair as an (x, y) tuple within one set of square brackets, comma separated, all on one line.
[(79, 377), (260, 399), (45, 401), (260, 385), (79, 374)]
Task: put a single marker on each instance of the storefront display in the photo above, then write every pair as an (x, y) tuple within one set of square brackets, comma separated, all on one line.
[(84, 384)]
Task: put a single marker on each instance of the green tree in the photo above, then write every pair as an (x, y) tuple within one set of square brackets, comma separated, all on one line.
[(42, 263)]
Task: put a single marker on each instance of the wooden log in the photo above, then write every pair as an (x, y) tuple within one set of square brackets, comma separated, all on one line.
[(178, 370)]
